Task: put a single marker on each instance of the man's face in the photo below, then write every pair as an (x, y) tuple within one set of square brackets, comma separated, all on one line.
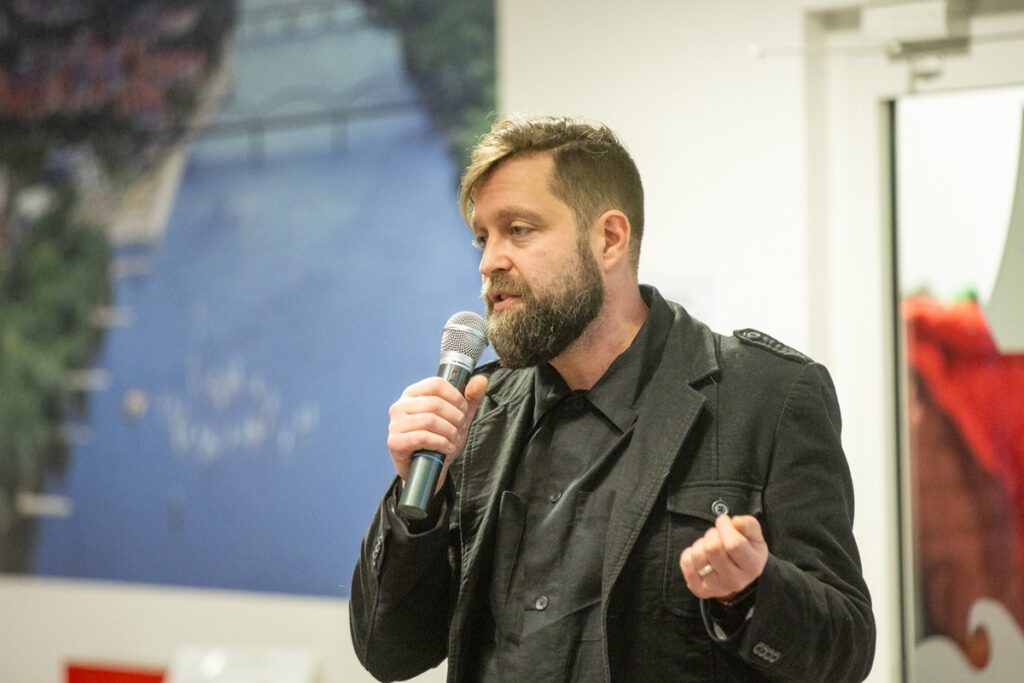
[(541, 283)]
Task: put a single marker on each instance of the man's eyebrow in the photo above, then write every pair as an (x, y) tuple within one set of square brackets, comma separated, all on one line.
[(512, 212)]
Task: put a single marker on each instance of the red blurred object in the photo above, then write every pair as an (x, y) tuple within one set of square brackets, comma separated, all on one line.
[(981, 389), (966, 434), (80, 673)]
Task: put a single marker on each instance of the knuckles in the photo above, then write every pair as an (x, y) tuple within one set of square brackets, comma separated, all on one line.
[(712, 541), (422, 419), (733, 547)]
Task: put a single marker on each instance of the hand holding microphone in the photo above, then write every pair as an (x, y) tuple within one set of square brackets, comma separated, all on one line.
[(430, 421)]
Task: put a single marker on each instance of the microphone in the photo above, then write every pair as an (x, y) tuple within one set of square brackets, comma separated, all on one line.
[(462, 342)]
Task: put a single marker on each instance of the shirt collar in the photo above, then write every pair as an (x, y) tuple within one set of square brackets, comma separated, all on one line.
[(548, 389), (617, 394)]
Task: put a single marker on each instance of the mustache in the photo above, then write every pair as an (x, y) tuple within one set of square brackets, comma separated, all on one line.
[(503, 282)]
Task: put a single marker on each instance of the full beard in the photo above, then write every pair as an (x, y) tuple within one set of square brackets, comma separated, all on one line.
[(545, 324)]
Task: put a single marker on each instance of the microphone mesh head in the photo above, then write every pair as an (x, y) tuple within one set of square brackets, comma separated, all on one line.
[(465, 333)]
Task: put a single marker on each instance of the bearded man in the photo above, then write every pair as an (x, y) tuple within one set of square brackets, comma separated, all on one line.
[(629, 496)]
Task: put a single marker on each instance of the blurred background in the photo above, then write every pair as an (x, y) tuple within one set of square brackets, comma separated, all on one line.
[(229, 237)]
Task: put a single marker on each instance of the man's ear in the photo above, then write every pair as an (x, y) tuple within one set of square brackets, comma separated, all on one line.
[(616, 234)]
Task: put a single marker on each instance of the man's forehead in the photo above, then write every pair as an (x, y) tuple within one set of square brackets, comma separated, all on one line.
[(525, 167), (528, 178)]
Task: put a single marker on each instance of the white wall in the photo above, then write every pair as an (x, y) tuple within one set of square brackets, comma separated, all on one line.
[(48, 623), (717, 136), (766, 208), (767, 184)]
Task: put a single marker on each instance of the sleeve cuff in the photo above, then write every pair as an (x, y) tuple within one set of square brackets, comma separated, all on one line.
[(436, 514), (724, 621)]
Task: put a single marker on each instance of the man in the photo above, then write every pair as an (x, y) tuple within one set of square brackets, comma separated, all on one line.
[(631, 496)]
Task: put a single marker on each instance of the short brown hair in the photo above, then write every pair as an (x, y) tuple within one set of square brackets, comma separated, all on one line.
[(593, 171)]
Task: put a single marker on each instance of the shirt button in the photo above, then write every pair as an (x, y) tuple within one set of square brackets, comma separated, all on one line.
[(555, 496), (541, 603)]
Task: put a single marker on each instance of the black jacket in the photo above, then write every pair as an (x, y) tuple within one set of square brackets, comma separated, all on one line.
[(740, 420)]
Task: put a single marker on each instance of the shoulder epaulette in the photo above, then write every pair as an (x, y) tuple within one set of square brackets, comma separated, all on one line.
[(769, 343)]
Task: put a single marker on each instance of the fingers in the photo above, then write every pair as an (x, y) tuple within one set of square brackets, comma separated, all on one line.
[(431, 415), (433, 405), (422, 406), (693, 561), (750, 528), (736, 547), (410, 433), (719, 552), (711, 572), (436, 387), (726, 559)]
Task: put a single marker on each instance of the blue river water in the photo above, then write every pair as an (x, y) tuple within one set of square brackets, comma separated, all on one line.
[(240, 442)]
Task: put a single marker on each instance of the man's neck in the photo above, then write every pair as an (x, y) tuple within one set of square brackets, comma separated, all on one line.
[(611, 332)]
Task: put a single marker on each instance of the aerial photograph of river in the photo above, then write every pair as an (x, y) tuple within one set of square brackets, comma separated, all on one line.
[(231, 430)]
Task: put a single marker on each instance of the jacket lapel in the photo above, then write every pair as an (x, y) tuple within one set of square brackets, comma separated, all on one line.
[(489, 465), (669, 409)]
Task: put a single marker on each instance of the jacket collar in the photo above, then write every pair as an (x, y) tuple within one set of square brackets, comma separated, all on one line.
[(690, 351)]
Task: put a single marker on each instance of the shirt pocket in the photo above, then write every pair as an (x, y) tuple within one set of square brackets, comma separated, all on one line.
[(692, 509)]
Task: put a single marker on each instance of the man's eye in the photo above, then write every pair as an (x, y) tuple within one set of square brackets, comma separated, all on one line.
[(480, 241), (518, 230)]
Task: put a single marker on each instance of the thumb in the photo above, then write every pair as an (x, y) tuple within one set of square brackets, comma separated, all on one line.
[(475, 391), (749, 527)]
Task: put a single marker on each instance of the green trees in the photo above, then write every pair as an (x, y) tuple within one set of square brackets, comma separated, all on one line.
[(54, 269), (449, 52), (49, 287)]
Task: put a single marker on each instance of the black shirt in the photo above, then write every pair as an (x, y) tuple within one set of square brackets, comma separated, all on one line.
[(545, 593)]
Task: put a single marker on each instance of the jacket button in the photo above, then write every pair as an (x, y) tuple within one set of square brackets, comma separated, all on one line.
[(541, 603), (555, 496), (719, 508)]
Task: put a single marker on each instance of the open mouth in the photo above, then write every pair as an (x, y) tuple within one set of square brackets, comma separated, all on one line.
[(502, 300)]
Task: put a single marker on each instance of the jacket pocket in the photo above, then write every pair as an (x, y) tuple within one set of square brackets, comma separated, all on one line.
[(692, 509)]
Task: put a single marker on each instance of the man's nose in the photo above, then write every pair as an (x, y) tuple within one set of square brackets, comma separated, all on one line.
[(495, 257)]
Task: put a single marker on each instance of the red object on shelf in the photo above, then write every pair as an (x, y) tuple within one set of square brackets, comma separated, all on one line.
[(81, 673)]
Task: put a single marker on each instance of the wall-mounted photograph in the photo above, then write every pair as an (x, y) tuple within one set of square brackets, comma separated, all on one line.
[(225, 235)]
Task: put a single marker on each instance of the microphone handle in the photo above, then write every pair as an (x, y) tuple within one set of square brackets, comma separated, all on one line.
[(426, 467)]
